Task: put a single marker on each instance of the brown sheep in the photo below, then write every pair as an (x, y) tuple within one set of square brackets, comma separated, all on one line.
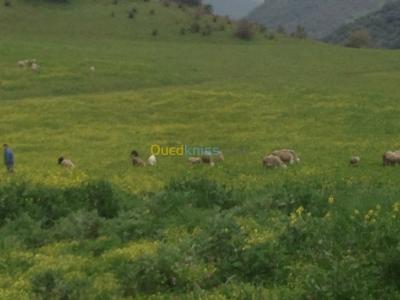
[(136, 160), (287, 156), (208, 160), (273, 161), (66, 163), (218, 157), (391, 158)]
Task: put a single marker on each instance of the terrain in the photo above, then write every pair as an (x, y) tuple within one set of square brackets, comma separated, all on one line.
[(319, 18), (382, 27), (108, 230)]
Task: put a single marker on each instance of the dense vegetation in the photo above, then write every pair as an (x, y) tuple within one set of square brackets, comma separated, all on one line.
[(318, 17), (107, 230), (198, 239), (383, 28)]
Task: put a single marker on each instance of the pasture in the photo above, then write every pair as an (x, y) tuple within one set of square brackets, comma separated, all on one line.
[(246, 97)]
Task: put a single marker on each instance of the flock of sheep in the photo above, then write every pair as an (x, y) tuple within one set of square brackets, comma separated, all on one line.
[(280, 159), (29, 64), (277, 159), (207, 159), (34, 66)]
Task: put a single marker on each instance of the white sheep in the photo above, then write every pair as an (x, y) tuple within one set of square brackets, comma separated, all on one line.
[(35, 67), (152, 160)]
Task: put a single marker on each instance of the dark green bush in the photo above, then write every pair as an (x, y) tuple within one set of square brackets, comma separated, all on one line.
[(152, 273), (204, 193), (78, 225), (195, 27), (244, 30), (101, 198)]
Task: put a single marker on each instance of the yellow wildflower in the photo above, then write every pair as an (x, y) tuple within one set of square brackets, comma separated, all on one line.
[(300, 210)]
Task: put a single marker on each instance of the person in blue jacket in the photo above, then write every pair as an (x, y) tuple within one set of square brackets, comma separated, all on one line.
[(8, 158)]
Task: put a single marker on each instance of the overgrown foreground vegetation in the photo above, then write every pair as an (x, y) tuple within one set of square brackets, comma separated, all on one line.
[(197, 239)]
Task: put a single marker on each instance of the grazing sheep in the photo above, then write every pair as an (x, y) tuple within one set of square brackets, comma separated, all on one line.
[(285, 155), (355, 161), (92, 68), (30, 62), (194, 160), (152, 160), (207, 159), (219, 157), (391, 158), (136, 160), (295, 156), (66, 163), (22, 63), (273, 161), (35, 67)]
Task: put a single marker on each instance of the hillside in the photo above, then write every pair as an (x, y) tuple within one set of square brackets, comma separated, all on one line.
[(236, 9), (382, 26), (106, 229), (318, 17)]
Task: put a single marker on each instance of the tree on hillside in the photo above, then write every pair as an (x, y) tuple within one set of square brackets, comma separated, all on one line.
[(189, 2), (281, 30), (244, 30), (359, 39), (300, 32)]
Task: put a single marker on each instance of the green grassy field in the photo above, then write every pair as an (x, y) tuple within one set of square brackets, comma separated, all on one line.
[(248, 98)]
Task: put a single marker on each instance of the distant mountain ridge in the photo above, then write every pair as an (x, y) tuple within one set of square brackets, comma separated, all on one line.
[(383, 27), (319, 18)]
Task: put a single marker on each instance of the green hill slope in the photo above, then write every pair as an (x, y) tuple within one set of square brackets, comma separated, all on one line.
[(103, 19), (318, 17), (383, 27)]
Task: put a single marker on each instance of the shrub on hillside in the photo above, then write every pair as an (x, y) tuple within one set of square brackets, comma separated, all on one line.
[(132, 13), (207, 30), (204, 193), (281, 30), (101, 198), (244, 30), (195, 27), (189, 2), (47, 204), (359, 39), (7, 3), (300, 32), (53, 284), (79, 225)]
